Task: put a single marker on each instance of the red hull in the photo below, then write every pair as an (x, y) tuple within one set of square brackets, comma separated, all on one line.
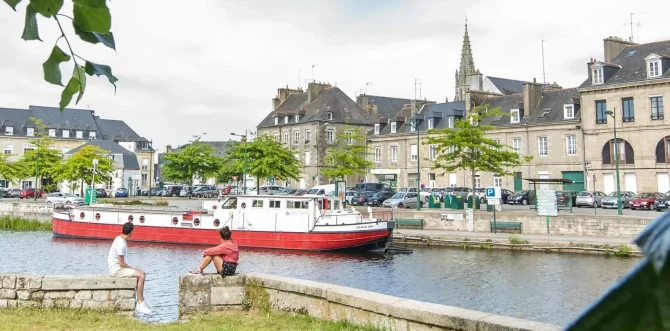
[(314, 241)]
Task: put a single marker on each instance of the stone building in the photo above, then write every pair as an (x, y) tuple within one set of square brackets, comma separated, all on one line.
[(307, 123), (631, 81)]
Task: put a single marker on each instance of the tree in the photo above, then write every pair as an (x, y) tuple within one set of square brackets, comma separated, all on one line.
[(348, 156), (42, 161), (266, 158), (9, 171), (79, 167), (91, 21), (466, 146), (195, 161)]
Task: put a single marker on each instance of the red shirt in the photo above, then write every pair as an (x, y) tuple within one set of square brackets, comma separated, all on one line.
[(228, 250)]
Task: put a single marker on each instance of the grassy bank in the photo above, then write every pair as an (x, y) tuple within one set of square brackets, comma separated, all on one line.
[(22, 224), (132, 202), (61, 319)]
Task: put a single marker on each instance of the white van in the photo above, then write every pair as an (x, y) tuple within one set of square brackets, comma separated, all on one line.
[(321, 190)]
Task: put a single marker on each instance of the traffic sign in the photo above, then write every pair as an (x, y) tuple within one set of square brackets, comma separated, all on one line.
[(492, 201), (492, 192), (272, 180)]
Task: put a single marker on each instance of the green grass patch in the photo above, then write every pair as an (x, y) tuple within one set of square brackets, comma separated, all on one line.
[(132, 202), (22, 224), (515, 240), (623, 251), (65, 319)]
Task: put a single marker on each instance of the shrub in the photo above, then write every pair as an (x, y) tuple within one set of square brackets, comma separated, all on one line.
[(515, 240), (162, 203), (22, 224), (623, 251)]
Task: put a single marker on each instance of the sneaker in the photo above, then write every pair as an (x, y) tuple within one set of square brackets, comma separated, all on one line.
[(142, 308), (196, 271)]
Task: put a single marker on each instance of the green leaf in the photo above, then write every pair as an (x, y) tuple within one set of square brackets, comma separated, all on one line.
[(30, 28), (92, 15), (51, 66), (80, 74), (101, 69), (69, 91), (12, 3), (47, 8), (94, 37)]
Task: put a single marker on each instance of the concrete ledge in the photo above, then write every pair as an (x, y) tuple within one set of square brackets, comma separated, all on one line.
[(87, 282)]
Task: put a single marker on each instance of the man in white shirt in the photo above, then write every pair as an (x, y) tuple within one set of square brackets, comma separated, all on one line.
[(119, 268)]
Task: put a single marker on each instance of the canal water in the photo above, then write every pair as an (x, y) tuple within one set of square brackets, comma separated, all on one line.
[(549, 288)]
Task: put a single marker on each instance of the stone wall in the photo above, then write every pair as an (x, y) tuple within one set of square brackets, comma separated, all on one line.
[(337, 303), (75, 291), (34, 211)]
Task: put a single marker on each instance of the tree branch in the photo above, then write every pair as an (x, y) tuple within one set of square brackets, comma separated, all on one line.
[(68, 42)]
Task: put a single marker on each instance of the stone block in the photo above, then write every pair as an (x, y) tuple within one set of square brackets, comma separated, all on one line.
[(291, 284), (9, 281), (100, 295), (83, 295), (90, 304), (37, 295), (504, 323), (125, 304), (12, 304), (436, 315), (24, 282), (56, 303), (59, 295), (87, 282), (7, 293), (28, 304), (3, 303), (227, 295), (366, 300), (299, 303), (35, 283), (235, 280), (121, 294), (194, 298), (76, 304), (23, 294)]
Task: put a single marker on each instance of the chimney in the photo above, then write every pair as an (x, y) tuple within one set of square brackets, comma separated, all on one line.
[(614, 46), (275, 103), (168, 148), (282, 95), (362, 100), (532, 94), (313, 90)]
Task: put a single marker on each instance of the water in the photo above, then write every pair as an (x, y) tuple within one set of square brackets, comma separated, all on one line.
[(549, 288)]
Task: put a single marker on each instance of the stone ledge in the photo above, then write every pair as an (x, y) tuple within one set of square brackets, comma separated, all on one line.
[(87, 282), (207, 280), (280, 283)]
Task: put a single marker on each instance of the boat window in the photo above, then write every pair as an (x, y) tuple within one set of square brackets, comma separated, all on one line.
[(305, 204), (275, 204), (336, 204), (230, 203), (297, 204), (257, 203)]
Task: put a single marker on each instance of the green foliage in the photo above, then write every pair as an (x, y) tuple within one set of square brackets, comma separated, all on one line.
[(9, 171), (163, 203), (195, 161), (22, 224), (266, 158), (79, 166), (515, 240), (623, 251), (42, 161), (348, 156), (91, 21)]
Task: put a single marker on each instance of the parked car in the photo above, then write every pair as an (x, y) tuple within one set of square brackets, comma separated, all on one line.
[(173, 190), (522, 197), (29, 193), (565, 198), (186, 191), (350, 195), (589, 198), (64, 199), (363, 199), (101, 193), (4, 193), (610, 201), (372, 187), (378, 198), (300, 192), (459, 190), (121, 192), (207, 191), (645, 200), (427, 192), (14, 193), (402, 200), (662, 203)]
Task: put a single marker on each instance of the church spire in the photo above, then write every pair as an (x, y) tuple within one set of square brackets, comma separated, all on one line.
[(466, 68)]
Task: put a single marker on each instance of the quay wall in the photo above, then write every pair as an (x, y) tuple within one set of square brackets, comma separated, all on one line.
[(337, 303), (33, 211), (68, 291)]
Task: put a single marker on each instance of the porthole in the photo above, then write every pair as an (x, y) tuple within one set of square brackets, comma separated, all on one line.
[(196, 222), (214, 207), (130, 218), (142, 219), (175, 221), (82, 215), (244, 205), (217, 223), (97, 216)]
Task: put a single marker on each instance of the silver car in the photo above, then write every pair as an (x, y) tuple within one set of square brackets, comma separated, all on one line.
[(589, 198), (401, 200), (59, 198), (610, 201), (350, 195)]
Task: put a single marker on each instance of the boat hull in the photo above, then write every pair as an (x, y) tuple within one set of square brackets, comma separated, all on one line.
[(311, 241)]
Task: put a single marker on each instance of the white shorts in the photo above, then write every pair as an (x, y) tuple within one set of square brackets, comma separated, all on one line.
[(123, 273)]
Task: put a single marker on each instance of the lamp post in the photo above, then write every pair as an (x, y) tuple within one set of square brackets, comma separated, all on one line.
[(244, 173), (37, 173), (151, 165), (616, 162), (417, 121), (318, 136)]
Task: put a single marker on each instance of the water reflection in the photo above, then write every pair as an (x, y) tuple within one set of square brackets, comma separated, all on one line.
[(544, 287)]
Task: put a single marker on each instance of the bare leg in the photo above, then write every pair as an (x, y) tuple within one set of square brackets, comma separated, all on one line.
[(141, 276), (206, 260), (218, 263)]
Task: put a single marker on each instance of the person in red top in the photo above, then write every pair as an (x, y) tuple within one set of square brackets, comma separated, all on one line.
[(224, 256)]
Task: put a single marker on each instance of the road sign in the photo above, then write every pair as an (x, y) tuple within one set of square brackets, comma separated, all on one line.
[(547, 204), (492, 201), (272, 180), (492, 192)]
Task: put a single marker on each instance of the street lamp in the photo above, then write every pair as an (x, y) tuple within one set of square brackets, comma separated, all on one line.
[(318, 136), (37, 173), (244, 174), (417, 121), (151, 165), (616, 161)]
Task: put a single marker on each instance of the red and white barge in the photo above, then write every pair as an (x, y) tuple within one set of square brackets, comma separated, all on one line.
[(281, 222)]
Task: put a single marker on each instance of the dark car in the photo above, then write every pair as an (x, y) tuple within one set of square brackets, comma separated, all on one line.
[(300, 192), (504, 194), (565, 198), (173, 191), (645, 200), (121, 193), (4, 193), (522, 197), (378, 198), (363, 199), (372, 187), (28, 193), (14, 193), (101, 193), (662, 202)]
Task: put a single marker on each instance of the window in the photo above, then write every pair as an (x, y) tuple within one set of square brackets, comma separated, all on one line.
[(296, 137), (30, 132), (331, 136), (145, 145), (656, 107), (451, 122), (257, 204), (542, 146), (623, 148), (571, 144), (597, 76), (516, 145), (276, 135), (276, 120), (285, 119), (66, 133), (9, 130), (274, 204), (432, 152), (297, 118), (64, 150), (601, 108), (568, 112), (394, 153), (329, 116), (411, 126), (145, 178), (628, 110), (378, 154), (145, 164), (52, 132), (79, 134), (654, 68), (308, 157), (414, 152), (377, 125), (452, 149), (285, 137), (497, 142), (497, 181), (297, 204), (8, 149), (350, 139), (393, 127), (430, 124), (514, 116), (478, 181), (91, 135)]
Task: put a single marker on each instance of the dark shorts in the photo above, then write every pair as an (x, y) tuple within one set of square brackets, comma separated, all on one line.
[(228, 269)]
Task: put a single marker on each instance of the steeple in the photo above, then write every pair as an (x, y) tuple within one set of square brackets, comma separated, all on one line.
[(466, 69), (467, 61)]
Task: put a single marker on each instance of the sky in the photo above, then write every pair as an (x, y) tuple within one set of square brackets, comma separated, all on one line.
[(212, 67)]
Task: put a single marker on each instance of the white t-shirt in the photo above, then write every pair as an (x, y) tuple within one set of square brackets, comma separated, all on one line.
[(119, 248)]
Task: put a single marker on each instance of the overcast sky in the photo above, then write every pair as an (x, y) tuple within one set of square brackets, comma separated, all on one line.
[(214, 66)]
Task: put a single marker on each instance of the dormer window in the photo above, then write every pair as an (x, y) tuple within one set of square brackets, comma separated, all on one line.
[(285, 119), (568, 112), (52, 132), (393, 127), (329, 116), (91, 135), (412, 126), (276, 120), (515, 116), (430, 124), (80, 134), (9, 130), (377, 126), (66, 133), (597, 75), (451, 122), (297, 118), (30, 132), (654, 68)]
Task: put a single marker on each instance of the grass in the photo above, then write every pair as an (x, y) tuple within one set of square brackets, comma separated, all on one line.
[(132, 202), (515, 240), (22, 224), (68, 319)]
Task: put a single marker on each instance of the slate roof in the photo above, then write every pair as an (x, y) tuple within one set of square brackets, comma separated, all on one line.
[(70, 119), (387, 106), (117, 130), (551, 101), (438, 111), (330, 99), (632, 63), (123, 158), (507, 86)]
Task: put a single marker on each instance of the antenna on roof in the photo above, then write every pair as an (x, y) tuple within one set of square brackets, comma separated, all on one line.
[(313, 65), (298, 79), (366, 86), (544, 76)]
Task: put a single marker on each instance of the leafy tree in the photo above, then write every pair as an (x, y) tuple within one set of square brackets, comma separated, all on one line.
[(43, 160), (195, 161), (91, 21), (227, 171), (348, 156), (79, 167), (466, 146), (266, 158), (9, 171)]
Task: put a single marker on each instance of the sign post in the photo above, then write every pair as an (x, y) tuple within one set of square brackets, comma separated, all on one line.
[(340, 190), (493, 196), (547, 204)]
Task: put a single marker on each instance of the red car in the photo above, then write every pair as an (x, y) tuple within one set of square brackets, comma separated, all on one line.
[(645, 200), (28, 193)]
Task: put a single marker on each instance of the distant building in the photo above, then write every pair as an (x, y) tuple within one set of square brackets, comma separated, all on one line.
[(127, 173)]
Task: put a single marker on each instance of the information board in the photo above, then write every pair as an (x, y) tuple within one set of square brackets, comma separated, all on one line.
[(547, 204)]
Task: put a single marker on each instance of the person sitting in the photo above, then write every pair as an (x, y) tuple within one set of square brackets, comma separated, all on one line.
[(224, 256), (118, 267)]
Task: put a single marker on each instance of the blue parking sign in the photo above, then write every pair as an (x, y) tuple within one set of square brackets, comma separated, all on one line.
[(492, 192)]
